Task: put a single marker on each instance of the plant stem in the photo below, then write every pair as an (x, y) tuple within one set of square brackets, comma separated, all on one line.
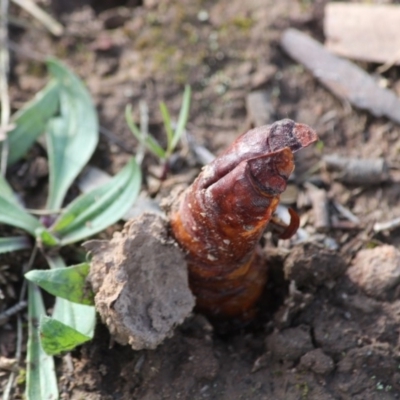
[(4, 97)]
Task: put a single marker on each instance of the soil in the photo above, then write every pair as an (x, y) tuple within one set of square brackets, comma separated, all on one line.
[(325, 331)]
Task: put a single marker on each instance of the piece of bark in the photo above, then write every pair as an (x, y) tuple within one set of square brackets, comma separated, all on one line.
[(356, 171), (366, 32), (345, 79)]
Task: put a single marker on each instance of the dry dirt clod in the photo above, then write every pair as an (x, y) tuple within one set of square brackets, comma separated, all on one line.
[(289, 344), (310, 265), (318, 362), (141, 284), (376, 271)]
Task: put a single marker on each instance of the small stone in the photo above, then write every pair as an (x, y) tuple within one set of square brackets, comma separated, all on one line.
[(318, 362), (376, 271)]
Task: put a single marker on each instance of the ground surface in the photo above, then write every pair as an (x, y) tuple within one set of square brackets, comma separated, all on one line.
[(325, 338)]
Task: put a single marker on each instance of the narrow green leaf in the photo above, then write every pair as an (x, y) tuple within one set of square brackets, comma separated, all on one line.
[(31, 120), (5, 191), (14, 243), (69, 283), (167, 125), (14, 215), (78, 316), (71, 137), (44, 237), (148, 140), (94, 211), (55, 261), (41, 380), (183, 116), (58, 337)]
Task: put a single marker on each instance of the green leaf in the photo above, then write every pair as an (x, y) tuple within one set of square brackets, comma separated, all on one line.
[(44, 237), (58, 337), (31, 120), (5, 191), (167, 125), (94, 211), (41, 380), (183, 116), (80, 317), (148, 141), (71, 137), (14, 215), (14, 243), (69, 283)]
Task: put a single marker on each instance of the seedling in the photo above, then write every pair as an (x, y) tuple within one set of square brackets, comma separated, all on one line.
[(64, 111), (173, 134)]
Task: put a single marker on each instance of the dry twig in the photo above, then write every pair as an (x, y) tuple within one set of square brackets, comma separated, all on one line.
[(387, 226), (45, 19)]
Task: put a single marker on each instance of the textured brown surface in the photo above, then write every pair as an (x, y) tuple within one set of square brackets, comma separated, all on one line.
[(140, 281), (221, 217)]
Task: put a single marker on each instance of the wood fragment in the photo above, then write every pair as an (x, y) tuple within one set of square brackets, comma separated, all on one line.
[(43, 17), (387, 226), (343, 78), (346, 213), (358, 171), (320, 204), (365, 32), (4, 316)]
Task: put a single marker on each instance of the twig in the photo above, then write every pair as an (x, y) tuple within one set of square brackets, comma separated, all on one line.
[(389, 225), (358, 171), (346, 213), (48, 21), (4, 97), (389, 64), (11, 311), (144, 129), (18, 350)]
